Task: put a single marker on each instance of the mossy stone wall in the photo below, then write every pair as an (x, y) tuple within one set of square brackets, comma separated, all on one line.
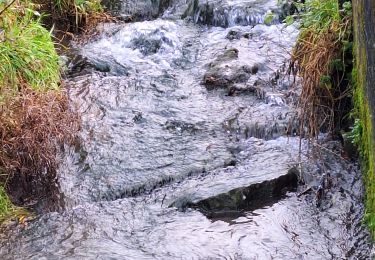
[(364, 76)]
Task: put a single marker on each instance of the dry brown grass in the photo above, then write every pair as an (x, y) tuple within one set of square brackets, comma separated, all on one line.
[(33, 128), (312, 60)]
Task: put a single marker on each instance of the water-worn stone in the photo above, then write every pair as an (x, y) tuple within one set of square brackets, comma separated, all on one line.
[(225, 70), (230, 13), (131, 10), (234, 35), (255, 196)]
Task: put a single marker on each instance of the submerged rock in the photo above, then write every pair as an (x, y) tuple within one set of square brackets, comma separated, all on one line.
[(225, 70), (234, 35), (263, 172), (150, 43)]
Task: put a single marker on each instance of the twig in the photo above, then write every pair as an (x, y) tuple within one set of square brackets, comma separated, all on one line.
[(304, 192), (6, 7)]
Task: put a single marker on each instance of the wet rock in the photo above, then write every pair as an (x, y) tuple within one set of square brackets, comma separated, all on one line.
[(254, 69), (228, 55), (234, 35), (253, 122), (38, 192), (152, 45), (230, 13), (225, 76), (254, 184), (181, 127), (179, 9), (274, 99), (249, 198), (77, 64), (191, 9), (147, 46), (225, 71), (80, 65), (131, 10), (138, 118), (288, 7)]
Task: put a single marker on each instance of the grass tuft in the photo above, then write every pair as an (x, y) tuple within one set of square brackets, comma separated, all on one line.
[(27, 55), (6, 207), (35, 118), (34, 126), (319, 58)]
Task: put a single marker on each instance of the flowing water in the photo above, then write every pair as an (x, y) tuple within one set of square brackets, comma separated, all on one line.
[(189, 147)]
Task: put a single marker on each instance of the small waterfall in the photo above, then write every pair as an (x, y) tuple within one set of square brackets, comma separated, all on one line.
[(224, 14), (232, 17)]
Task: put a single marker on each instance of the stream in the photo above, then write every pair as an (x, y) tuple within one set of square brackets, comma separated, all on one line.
[(190, 146)]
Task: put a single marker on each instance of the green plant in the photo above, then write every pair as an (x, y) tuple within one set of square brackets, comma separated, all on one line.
[(8, 210), (81, 10), (35, 119), (269, 17), (320, 57), (356, 132), (320, 15), (6, 207), (27, 54)]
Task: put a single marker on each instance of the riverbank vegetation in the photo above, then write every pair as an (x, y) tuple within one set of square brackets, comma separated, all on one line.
[(333, 94), (6, 207), (323, 58), (35, 117), (72, 15)]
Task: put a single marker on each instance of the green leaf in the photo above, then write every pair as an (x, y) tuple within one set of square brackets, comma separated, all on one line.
[(325, 79), (289, 20), (347, 6), (269, 18)]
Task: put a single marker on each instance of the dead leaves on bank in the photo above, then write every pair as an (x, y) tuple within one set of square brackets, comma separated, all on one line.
[(312, 60), (33, 127)]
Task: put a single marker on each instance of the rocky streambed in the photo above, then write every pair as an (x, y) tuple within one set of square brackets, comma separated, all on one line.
[(190, 149)]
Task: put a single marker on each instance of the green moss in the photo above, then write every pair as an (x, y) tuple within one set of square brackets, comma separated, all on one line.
[(366, 147), (6, 207), (363, 113)]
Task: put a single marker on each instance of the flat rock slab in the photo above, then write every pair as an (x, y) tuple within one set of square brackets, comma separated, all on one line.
[(264, 170)]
